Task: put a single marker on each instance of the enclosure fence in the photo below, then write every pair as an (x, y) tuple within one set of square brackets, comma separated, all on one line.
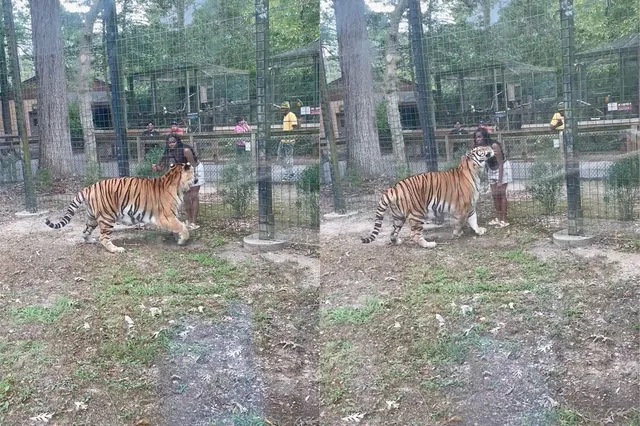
[(189, 74), (511, 74)]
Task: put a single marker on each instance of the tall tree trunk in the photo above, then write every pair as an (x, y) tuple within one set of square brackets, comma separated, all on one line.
[(391, 90), (53, 107), (357, 80), (4, 82), (84, 90)]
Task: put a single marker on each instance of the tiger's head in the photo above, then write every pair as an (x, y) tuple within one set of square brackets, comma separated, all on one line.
[(186, 174), (479, 156)]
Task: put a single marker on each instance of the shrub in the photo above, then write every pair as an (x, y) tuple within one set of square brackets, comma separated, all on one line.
[(308, 187), (153, 157), (238, 181), (623, 185), (547, 179)]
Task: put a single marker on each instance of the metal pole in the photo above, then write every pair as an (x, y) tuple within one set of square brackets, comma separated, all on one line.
[(334, 166), (119, 127), (572, 165), (266, 223), (29, 190), (424, 94)]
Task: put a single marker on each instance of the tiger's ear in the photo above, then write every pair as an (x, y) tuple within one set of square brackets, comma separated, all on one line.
[(187, 165), (171, 166)]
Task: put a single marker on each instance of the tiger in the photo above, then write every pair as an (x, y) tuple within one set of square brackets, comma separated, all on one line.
[(455, 191), (131, 201)]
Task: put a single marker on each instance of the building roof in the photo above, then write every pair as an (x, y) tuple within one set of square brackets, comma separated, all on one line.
[(628, 44), (512, 66)]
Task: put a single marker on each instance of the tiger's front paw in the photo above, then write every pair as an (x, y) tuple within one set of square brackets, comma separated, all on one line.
[(481, 230)]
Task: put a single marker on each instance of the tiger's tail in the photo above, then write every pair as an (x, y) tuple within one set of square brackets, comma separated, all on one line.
[(71, 210), (383, 205)]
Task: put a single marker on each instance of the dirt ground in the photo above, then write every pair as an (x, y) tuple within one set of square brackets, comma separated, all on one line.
[(502, 329), (206, 334)]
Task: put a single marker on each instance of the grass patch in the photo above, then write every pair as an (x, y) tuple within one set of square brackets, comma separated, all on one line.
[(248, 420), (338, 364), (216, 277), (354, 316), (43, 315), (480, 282), (19, 353), (566, 417), (6, 389), (136, 351), (443, 350)]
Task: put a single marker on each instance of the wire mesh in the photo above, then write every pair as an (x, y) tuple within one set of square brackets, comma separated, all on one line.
[(184, 69), (501, 68)]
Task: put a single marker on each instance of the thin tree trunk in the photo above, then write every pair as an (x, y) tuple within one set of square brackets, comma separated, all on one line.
[(4, 83), (84, 90), (357, 79), (30, 196), (53, 108), (391, 91)]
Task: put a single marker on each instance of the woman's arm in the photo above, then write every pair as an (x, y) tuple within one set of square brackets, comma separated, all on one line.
[(500, 158), (189, 156)]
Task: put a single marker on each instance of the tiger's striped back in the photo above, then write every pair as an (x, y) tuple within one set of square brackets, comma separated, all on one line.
[(414, 197), (131, 200)]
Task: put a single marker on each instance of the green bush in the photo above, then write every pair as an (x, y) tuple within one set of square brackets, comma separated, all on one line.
[(547, 179), (238, 181), (308, 187), (455, 162), (8, 169), (44, 180), (623, 185), (153, 157), (92, 174)]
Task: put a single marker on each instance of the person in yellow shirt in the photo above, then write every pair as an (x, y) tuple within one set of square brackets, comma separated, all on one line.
[(285, 148), (557, 124)]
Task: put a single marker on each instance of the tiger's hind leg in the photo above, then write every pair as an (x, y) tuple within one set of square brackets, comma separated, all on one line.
[(397, 226), (459, 221), (106, 229), (416, 233), (92, 224)]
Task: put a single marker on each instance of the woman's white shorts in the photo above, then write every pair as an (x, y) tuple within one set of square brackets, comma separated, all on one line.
[(507, 174), (199, 181)]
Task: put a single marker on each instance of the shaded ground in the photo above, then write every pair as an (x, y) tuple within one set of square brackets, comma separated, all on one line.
[(159, 335), (503, 329)]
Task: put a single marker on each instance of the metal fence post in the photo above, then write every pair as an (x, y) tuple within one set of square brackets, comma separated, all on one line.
[(424, 92), (572, 165), (334, 166), (266, 223), (119, 126)]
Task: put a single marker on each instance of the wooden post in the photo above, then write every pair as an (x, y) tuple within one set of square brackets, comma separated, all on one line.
[(140, 149), (448, 148)]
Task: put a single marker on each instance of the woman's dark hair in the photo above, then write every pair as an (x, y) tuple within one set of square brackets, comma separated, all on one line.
[(486, 138), (238, 119), (487, 141), (178, 152)]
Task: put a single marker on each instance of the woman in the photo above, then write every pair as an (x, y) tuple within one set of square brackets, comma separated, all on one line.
[(241, 127), (177, 152), (499, 174)]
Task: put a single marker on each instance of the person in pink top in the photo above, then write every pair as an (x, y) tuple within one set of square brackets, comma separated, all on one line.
[(175, 129), (241, 127)]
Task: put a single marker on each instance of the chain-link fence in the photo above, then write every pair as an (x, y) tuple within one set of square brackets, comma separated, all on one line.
[(556, 96), (185, 69)]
